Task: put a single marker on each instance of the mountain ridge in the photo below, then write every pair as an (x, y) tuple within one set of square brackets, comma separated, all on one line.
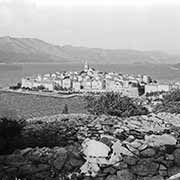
[(33, 50)]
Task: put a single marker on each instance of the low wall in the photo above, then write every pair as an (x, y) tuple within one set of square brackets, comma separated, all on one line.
[(104, 148)]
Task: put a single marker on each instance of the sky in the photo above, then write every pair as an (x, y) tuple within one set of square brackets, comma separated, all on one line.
[(110, 24)]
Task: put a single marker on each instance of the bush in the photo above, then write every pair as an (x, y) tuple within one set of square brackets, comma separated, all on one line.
[(10, 132), (114, 104), (49, 134), (173, 96), (170, 103)]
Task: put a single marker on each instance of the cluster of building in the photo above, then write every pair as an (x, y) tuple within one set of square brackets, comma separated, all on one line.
[(90, 80)]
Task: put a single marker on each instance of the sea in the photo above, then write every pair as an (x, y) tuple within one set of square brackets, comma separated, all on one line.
[(10, 74)]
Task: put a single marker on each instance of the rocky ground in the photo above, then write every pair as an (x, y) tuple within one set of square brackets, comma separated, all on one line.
[(101, 148)]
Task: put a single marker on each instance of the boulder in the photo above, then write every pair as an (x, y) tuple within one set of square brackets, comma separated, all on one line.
[(59, 158), (95, 148), (125, 174), (173, 171), (158, 177), (112, 177), (130, 160), (162, 170), (145, 167), (109, 170), (160, 140), (176, 155), (149, 152)]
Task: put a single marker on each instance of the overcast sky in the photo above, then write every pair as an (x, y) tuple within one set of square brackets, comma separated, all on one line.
[(122, 24)]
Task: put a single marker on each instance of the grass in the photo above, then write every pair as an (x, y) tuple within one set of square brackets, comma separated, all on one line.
[(28, 106)]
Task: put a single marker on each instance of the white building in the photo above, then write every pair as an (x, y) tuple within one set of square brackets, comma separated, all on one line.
[(157, 88), (66, 83), (26, 83), (97, 84), (76, 86)]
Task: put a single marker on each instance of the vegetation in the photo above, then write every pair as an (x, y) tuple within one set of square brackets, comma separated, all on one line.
[(114, 104), (10, 131), (170, 103), (157, 93), (17, 86)]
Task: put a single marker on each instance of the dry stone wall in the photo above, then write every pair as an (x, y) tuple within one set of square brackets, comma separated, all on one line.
[(102, 148)]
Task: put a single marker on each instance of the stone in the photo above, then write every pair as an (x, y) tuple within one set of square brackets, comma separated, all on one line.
[(169, 157), (145, 167), (42, 176), (11, 170), (25, 151), (59, 158), (98, 178), (42, 167), (149, 152), (130, 160), (173, 171), (163, 170), (106, 141), (176, 155), (95, 148), (125, 174), (112, 177), (158, 177), (27, 169), (122, 165), (109, 170), (160, 140), (90, 167), (119, 149), (75, 163)]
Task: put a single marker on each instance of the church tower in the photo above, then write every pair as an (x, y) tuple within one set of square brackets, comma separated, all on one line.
[(86, 66)]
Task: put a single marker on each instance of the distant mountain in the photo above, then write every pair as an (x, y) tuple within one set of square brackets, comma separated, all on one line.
[(30, 50)]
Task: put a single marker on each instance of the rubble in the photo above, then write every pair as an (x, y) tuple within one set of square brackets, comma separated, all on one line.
[(101, 147)]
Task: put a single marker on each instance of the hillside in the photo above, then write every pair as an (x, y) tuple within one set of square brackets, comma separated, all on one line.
[(30, 50)]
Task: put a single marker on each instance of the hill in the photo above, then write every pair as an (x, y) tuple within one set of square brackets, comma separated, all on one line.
[(31, 50)]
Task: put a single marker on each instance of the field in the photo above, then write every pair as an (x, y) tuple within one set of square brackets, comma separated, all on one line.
[(28, 106)]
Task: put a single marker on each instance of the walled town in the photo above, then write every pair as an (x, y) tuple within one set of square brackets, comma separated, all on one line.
[(90, 80), (119, 137)]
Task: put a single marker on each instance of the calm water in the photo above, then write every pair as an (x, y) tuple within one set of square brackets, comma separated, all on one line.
[(10, 74)]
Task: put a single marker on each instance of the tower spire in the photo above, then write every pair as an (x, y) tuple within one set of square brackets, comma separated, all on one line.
[(86, 66)]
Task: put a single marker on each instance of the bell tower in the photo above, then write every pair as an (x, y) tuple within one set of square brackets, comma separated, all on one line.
[(86, 66)]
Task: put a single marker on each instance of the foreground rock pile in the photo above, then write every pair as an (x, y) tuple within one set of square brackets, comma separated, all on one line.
[(103, 148)]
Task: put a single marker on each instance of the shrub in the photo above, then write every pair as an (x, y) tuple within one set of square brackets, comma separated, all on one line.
[(49, 134), (170, 103), (10, 131), (173, 96), (114, 104)]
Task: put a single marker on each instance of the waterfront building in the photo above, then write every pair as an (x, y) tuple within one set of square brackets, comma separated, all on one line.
[(157, 88), (76, 86), (26, 83), (97, 84), (66, 83)]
